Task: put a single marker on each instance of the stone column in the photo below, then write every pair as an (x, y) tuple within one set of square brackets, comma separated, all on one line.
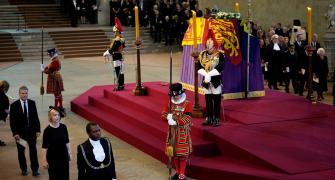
[(103, 12), (329, 40)]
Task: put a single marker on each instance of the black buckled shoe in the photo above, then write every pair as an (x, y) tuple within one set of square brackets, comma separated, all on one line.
[(175, 177), (208, 121), (36, 173), (24, 173), (2, 143), (216, 122)]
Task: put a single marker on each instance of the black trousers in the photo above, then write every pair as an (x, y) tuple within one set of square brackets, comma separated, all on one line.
[(213, 105), (119, 76), (301, 81), (31, 139)]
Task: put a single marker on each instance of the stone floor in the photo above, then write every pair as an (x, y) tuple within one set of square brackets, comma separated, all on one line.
[(79, 75)]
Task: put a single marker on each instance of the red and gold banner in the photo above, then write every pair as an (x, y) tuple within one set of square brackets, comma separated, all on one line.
[(226, 34)]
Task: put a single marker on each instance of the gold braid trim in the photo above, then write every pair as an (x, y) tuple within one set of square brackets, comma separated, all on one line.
[(102, 164)]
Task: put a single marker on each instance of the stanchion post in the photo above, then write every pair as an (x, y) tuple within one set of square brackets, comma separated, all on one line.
[(139, 89), (197, 112)]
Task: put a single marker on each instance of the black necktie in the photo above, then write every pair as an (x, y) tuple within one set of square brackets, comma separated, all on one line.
[(25, 112)]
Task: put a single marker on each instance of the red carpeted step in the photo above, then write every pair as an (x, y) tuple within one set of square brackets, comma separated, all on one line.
[(229, 168), (276, 106), (149, 122), (126, 131), (293, 147), (280, 148), (149, 105)]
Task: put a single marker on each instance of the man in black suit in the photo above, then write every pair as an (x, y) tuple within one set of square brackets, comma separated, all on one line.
[(303, 63), (25, 126), (315, 44), (95, 158)]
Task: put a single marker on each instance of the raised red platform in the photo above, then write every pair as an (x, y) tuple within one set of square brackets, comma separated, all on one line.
[(279, 136)]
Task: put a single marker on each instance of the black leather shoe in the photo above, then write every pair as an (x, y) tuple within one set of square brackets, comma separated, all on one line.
[(24, 173), (216, 122), (207, 122), (175, 177), (36, 173), (2, 143)]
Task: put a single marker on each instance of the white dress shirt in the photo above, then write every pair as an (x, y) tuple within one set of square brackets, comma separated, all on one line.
[(98, 150), (22, 105)]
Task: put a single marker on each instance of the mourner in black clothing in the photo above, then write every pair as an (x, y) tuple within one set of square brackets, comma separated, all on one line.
[(300, 46), (115, 11), (320, 73), (82, 6), (334, 87), (4, 104), (95, 158), (56, 146), (274, 57), (290, 69), (25, 126), (92, 11), (73, 13)]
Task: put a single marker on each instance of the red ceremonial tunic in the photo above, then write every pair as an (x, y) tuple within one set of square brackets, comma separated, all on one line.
[(182, 132), (55, 81)]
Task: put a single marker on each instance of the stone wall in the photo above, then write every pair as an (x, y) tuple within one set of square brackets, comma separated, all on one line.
[(266, 12)]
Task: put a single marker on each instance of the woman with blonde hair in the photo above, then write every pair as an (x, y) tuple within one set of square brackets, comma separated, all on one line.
[(56, 149)]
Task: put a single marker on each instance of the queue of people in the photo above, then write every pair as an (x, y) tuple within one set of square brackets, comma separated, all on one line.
[(285, 59), (95, 156)]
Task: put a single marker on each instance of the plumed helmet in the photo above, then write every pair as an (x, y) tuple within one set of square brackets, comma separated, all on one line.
[(52, 52), (118, 26), (210, 40), (176, 89)]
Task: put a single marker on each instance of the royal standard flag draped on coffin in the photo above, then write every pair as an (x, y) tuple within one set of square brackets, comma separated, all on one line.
[(232, 39)]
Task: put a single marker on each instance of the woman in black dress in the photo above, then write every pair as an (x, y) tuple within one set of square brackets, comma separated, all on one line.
[(4, 104), (56, 147), (320, 70)]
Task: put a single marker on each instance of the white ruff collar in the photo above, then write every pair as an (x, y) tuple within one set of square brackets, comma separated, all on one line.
[(181, 99)]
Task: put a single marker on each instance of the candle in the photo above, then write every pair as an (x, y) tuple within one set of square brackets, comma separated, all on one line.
[(237, 7), (137, 31), (309, 25), (194, 18)]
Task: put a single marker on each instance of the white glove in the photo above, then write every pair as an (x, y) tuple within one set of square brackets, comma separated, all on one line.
[(169, 116), (207, 78), (171, 122), (42, 67), (78, 8), (106, 53), (202, 72)]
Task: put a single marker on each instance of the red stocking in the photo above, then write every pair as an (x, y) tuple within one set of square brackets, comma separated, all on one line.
[(56, 99), (176, 164), (182, 164), (60, 100)]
